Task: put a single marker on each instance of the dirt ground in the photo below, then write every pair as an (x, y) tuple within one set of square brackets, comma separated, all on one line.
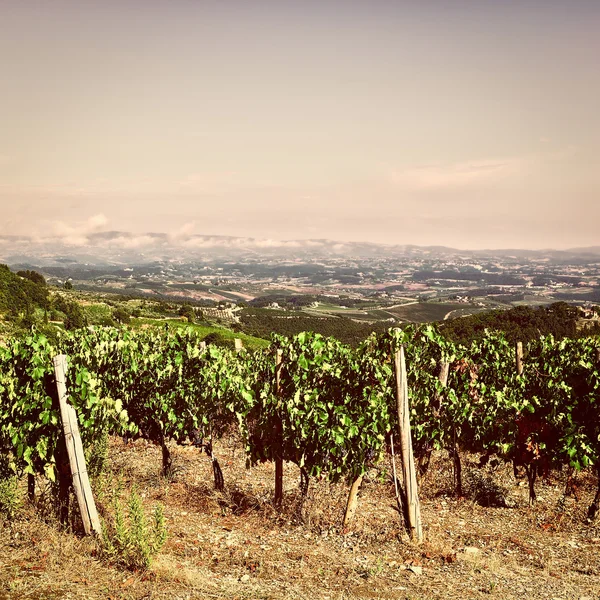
[(236, 545)]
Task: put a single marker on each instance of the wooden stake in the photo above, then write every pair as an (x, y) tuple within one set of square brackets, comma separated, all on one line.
[(443, 377), (406, 451), (278, 435), (519, 357), (352, 501), (398, 492), (81, 482)]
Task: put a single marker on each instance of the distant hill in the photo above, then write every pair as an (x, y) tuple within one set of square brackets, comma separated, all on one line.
[(127, 248)]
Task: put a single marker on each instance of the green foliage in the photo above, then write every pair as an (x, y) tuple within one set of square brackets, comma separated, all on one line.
[(263, 322), (188, 312), (99, 314), (522, 323), (22, 294), (120, 315), (34, 276), (215, 338), (128, 539), (10, 501), (74, 316), (562, 385), (96, 455), (30, 427), (330, 414), (334, 406)]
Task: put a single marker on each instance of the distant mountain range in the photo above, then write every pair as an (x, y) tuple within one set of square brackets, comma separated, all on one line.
[(125, 248)]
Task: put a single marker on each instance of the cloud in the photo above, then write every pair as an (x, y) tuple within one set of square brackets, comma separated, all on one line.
[(132, 242), (202, 241), (92, 232), (78, 235), (207, 241), (183, 233), (96, 222)]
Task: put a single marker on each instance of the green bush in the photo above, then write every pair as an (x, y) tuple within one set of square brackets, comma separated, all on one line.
[(188, 312), (129, 540), (10, 501), (120, 315)]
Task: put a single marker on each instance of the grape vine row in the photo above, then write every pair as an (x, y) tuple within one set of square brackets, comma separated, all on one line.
[(332, 411)]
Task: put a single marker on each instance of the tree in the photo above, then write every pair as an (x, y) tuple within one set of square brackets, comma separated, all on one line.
[(74, 316), (21, 294), (188, 312), (68, 285), (120, 315), (34, 276)]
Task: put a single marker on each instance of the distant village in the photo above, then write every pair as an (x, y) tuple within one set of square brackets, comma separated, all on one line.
[(223, 285)]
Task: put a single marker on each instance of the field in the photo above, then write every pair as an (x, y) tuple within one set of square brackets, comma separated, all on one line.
[(412, 312), (201, 329), (366, 315), (236, 545), (425, 312)]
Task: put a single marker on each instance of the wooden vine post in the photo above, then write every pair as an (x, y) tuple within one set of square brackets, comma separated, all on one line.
[(413, 508), (81, 482), (519, 357), (278, 433), (443, 377)]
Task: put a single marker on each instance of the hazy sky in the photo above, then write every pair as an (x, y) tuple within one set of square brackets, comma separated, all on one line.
[(469, 123)]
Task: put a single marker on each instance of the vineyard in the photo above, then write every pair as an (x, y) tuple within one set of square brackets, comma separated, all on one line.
[(312, 406), (308, 400)]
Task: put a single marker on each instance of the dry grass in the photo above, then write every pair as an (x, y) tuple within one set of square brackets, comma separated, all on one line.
[(237, 545)]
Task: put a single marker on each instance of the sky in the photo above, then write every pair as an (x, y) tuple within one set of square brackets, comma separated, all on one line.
[(466, 123)]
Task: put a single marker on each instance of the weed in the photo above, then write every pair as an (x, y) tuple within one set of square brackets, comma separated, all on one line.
[(376, 569), (10, 502), (96, 456), (129, 540)]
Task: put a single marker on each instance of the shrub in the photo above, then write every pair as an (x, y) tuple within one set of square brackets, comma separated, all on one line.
[(129, 540), (120, 315), (10, 501), (188, 312)]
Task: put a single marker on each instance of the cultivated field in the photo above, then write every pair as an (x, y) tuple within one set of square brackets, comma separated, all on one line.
[(425, 312)]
